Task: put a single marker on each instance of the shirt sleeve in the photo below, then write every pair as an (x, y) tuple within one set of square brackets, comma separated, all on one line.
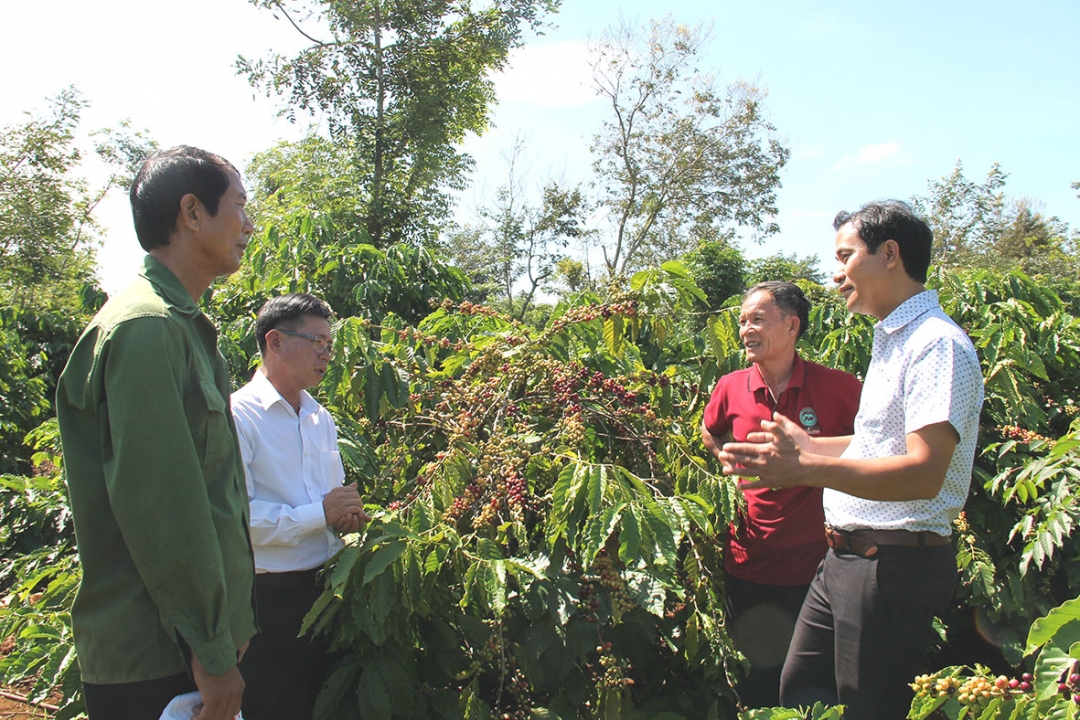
[(716, 413), (273, 523), (941, 385), (156, 485)]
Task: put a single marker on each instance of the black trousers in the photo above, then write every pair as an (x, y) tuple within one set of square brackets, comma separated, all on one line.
[(864, 630), (282, 672), (760, 619), (134, 701)]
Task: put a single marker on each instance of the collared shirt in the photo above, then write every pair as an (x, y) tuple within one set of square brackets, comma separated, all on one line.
[(156, 487), (923, 371), (292, 462), (781, 540)]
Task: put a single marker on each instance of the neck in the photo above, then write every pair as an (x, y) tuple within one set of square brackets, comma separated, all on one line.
[(777, 374), (291, 394), (181, 265), (903, 293)]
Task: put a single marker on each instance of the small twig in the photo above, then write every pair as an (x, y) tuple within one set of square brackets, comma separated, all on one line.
[(23, 699)]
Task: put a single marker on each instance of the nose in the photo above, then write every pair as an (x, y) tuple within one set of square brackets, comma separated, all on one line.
[(249, 228), (839, 276)]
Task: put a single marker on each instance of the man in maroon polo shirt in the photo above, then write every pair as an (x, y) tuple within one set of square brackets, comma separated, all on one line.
[(772, 555)]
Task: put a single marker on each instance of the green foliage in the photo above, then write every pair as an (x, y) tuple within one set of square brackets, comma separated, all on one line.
[(719, 270), (785, 267), (358, 280), (39, 574), (400, 84)]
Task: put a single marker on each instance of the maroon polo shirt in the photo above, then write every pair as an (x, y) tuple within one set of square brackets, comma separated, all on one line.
[(781, 539)]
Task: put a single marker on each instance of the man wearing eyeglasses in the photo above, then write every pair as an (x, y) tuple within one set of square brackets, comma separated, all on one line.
[(299, 506)]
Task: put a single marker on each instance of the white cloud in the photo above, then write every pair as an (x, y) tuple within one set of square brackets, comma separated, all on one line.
[(555, 75), (868, 155)]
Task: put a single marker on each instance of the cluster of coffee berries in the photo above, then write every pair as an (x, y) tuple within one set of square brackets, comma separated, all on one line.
[(613, 582), (614, 671), (976, 691), (1069, 687), (1011, 432)]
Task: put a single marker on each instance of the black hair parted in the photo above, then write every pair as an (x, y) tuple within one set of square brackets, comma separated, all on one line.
[(881, 220), (167, 176), (788, 298), (286, 311)]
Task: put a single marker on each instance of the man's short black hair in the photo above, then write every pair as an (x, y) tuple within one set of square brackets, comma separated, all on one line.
[(788, 298), (164, 178), (876, 222), (287, 311)]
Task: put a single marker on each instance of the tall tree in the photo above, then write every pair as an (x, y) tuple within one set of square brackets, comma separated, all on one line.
[(519, 244), (401, 83), (46, 253), (47, 229), (967, 217), (679, 160)]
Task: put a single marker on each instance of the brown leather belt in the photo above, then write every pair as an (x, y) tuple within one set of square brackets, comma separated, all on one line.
[(865, 543)]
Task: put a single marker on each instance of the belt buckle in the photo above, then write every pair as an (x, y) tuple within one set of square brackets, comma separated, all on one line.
[(846, 541)]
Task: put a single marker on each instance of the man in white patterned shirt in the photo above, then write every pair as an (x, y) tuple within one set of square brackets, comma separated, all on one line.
[(892, 489), (299, 507)]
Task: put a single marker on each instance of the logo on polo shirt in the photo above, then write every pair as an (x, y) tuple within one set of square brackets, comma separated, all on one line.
[(808, 417)]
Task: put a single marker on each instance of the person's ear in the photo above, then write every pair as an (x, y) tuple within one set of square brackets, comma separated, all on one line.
[(892, 253), (189, 212)]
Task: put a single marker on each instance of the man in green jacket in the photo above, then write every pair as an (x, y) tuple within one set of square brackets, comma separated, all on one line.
[(153, 468)]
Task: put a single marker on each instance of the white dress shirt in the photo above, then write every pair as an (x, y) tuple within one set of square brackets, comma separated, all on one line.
[(923, 371), (291, 462)]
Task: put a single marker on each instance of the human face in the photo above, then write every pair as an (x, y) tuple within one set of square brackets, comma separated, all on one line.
[(305, 360), (860, 275), (225, 235), (766, 332)]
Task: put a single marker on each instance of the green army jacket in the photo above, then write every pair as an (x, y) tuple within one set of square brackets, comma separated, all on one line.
[(157, 489)]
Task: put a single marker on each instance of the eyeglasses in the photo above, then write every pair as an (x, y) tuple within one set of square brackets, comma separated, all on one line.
[(322, 344)]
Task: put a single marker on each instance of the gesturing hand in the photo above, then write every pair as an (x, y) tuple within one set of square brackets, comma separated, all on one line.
[(774, 455)]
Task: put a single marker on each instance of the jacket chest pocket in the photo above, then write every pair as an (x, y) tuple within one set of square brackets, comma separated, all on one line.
[(208, 419)]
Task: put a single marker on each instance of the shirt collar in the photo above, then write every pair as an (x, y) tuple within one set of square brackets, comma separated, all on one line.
[(755, 382), (908, 310), (168, 285), (268, 395)]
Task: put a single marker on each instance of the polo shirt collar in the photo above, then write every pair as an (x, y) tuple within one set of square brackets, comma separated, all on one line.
[(755, 382), (909, 310), (168, 285), (267, 395)]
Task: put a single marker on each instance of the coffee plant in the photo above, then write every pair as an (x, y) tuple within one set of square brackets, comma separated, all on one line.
[(547, 532), (1052, 690)]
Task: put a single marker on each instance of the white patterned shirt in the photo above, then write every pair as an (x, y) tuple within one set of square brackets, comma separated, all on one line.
[(291, 462), (923, 371)]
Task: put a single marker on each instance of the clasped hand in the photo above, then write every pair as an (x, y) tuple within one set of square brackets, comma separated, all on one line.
[(344, 509), (774, 455)]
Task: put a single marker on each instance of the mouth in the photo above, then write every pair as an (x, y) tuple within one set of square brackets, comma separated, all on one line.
[(751, 345)]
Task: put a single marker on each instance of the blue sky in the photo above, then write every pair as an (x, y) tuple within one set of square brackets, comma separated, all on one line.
[(874, 99)]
